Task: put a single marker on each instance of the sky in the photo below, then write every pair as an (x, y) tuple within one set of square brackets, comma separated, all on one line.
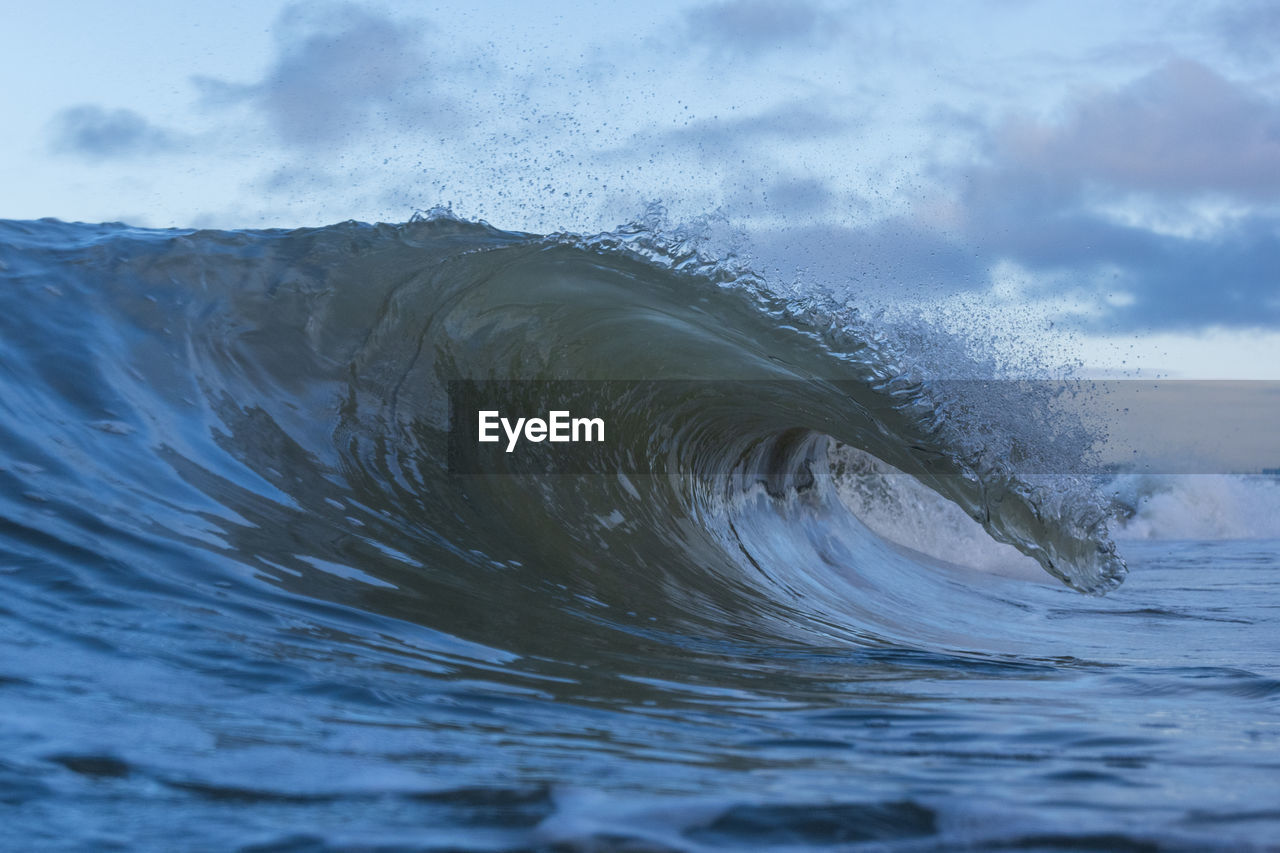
[(1104, 175)]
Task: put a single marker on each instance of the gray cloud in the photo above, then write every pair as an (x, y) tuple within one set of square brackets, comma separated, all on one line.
[(98, 133), (1181, 129), (1175, 136), (751, 26), (341, 68), (1249, 28), (891, 259), (719, 138), (1043, 199), (791, 121), (799, 195), (1183, 283), (1230, 278)]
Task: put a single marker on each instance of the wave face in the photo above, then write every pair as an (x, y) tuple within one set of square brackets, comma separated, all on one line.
[(342, 341), (224, 472)]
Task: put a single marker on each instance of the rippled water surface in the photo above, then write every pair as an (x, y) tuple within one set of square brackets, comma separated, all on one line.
[(1145, 719)]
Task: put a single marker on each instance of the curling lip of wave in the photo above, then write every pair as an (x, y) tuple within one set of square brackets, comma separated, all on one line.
[(1060, 522)]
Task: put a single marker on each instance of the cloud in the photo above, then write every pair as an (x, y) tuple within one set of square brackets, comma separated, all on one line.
[(341, 69), (720, 139), (1249, 28), (1063, 202), (1180, 129), (1230, 278), (886, 261), (795, 194), (98, 133), (752, 26), (791, 121), (1055, 200), (1162, 281)]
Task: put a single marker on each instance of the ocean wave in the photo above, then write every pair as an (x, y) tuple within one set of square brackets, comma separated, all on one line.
[(245, 591), (279, 399)]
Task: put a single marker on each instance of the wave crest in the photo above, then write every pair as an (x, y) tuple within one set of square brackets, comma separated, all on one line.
[(281, 396)]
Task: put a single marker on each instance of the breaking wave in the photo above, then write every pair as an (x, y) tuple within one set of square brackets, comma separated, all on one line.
[(280, 397), (244, 589)]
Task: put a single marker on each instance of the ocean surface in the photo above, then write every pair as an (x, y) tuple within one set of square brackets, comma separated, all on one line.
[(245, 604)]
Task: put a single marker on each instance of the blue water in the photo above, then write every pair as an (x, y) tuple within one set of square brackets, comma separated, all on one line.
[(243, 605)]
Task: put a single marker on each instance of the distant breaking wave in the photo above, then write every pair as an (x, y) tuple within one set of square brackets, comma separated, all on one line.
[(278, 398)]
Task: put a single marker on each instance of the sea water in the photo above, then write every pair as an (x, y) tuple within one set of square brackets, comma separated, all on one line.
[(245, 604)]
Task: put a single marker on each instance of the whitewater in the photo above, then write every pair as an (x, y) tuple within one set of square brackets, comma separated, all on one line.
[(811, 594)]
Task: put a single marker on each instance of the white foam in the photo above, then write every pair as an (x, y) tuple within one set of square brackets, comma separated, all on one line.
[(904, 511), (1198, 506)]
